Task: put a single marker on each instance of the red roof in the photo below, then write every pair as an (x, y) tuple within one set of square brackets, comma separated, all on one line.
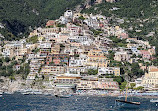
[(144, 52), (50, 22), (154, 70)]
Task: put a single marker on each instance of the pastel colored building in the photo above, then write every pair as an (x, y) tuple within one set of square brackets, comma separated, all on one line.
[(87, 84), (50, 23), (121, 56), (150, 79), (52, 70), (123, 36), (95, 83), (108, 85), (75, 44), (96, 58), (45, 51), (145, 54), (58, 59), (55, 49), (67, 79), (78, 61), (152, 51), (62, 37)]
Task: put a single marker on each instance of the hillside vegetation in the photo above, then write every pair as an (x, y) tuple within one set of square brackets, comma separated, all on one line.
[(140, 17), (19, 16)]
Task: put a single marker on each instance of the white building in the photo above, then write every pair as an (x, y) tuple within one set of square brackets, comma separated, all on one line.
[(44, 45), (109, 70), (68, 14), (78, 61)]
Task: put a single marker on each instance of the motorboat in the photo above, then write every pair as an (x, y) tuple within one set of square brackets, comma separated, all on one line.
[(154, 100), (62, 96)]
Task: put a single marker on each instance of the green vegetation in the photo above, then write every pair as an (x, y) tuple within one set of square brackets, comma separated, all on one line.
[(127, 8), (1, 80), (92, 72), (8, 69), (61, 25), (139, 88), (141, 15), (7, 59), (76, 55), (19, 15), (119, 79), (36, 50), (24, 70), (33, 39), (81, 18), (123, 85), (96, 32), (114, 63), (136, 71), (111, 55), (118, 42), (132, 85)]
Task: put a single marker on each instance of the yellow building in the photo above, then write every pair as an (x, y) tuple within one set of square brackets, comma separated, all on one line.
[(40, 38), (96, 58), (67, 79), (23, 51), (55, 49), (34, 33), (151, 78), (77, 15), (52, 70), (87, 84), (19, 57)]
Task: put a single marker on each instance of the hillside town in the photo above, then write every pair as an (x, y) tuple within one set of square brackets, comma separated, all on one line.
[(82, 53)]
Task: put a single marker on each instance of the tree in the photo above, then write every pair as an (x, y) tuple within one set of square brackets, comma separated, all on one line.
[(132, 85), (135, 70), (82, 18), (92, 72), (139, 88), (111, 55), (33, 39), (1, 63), (118, 79), (7, 59), (76, 55), (123, 85)]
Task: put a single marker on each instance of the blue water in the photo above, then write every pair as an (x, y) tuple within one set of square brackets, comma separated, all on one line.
[(18, 102)]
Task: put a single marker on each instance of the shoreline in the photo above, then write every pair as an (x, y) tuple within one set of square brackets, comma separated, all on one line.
[(88, 95)]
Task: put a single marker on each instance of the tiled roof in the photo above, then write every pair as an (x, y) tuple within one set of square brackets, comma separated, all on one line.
[(154, 70)]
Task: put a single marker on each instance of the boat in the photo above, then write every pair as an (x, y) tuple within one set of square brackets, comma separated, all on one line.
[(126, 104), (1, 93), (8, 92), (62, 96), (37, 92), (154, 100)]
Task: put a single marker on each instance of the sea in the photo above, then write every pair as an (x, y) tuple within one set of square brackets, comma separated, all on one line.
[(19, 102)]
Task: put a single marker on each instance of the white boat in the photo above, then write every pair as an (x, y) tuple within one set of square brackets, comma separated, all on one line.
[(1, 94), (8, 93), (154, 100), (37, 92)]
